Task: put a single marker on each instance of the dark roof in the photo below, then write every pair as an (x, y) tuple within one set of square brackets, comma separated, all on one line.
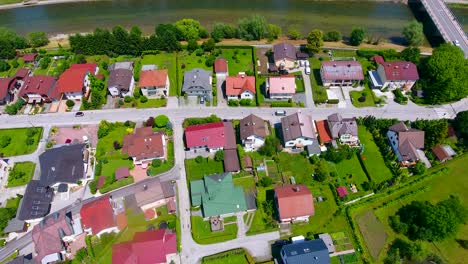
[(272, 67), (22, 73), (5, 85), (310, 252), (30, 57), (36, 201), (284, 51), (120, 79), (196, 80), (21, 260), (342, 126), (230, 136), (168, 189), (297, 125), (101, 181), (63, 187), (247, 161), (231, 160), (15, 225), (341, 70), (440, 152), (400, 70), (252, 125), (314, 148), (62, 165), (122, 172), (302, 55)]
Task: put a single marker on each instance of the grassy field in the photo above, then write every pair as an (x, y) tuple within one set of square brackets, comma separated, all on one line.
[(152, 103), (239, 60), (247, 183), (258, 223), (105, 145), (196, 171), (260, 92), (372, 159), (297, 166), (108, 169), (235, 256), (165, 61), (18, 145), (319, 93), (373, 232), (369, 102), (202, 234), (24, 168), (299, 84), (349, 172)]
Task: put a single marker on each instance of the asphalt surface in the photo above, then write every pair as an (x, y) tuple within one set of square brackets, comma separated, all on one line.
[(447, 23)]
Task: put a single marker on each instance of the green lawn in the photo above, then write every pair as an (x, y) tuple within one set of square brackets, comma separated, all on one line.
[(187, 62), (239, 60), (299, 83), (165, 61), (25, 172), (152, 103), (105, 145), (369, 102), (108, 169), (9, 212), (18, 145), (260, 89), (247, 183), (6, 2), (202, 234), (297, 166), (235, 256), (167, 165), (319, 93), (196, 171), (349, 172), (372, 158), (260, 219)]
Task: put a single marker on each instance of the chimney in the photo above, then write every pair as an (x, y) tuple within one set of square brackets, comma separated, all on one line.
[(296, 188)]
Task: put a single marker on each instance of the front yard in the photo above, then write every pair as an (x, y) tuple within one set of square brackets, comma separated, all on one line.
[(319, 93), (202, 233), (19, 141), (21, 174), (366, 96)]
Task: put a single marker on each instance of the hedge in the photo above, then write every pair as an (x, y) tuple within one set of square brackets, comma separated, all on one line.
[(116, 185), (281, 104), (333, 101)]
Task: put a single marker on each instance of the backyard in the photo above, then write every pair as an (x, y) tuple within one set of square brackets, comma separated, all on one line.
[(239, 60), (21, 174), (207, 166), (349, 172), (189, 61), (202, 233), (263, 221), (19, 141), (319, 93)]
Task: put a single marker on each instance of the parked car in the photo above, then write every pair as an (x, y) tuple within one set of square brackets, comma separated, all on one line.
[(307, 70), (307, 63), (280, 113), (301, 63), (456, 43), (202, 100), (78, 114)]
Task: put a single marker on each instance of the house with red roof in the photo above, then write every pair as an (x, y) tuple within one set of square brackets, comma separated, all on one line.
[(97, 216), (240, 87), (154, 83), (209, 136), (145, 145), (38, 89), (221, 67), (281, 87), (6, 86), (295, 203), (149, 247), (74, 83), (29, 58), (393, 75), (342, 191), (341, 73)]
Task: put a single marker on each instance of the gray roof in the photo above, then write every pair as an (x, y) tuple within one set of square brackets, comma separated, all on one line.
[(62, 165), (252, 125), (197, 79), (126, 65), (314, 149), (284, 51), (36, 201), (342, 126), (21, 260), (168, 189), (14, 225), (409, 140), (311, 252), (297, 125), (120, 79), (328, 242)]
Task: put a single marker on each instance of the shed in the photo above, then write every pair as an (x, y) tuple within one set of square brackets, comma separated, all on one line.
[(122, 173), (342, 191)]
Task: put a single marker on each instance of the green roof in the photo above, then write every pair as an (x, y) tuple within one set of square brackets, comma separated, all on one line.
[(217, 195)]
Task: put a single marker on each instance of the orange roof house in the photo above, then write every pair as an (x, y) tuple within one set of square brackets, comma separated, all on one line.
[(240, 87), (295, 203)]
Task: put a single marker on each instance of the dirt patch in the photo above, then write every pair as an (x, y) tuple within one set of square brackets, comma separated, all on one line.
[(373, 232)]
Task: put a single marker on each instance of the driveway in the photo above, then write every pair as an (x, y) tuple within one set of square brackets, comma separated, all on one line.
[(220, 94)]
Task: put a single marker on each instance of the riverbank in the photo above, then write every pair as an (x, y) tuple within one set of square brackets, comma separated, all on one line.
[(41, 2)]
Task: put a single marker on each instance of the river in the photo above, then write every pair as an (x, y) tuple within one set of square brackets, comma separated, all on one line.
[(382, 19)]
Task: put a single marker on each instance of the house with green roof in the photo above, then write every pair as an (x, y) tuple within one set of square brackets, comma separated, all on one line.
[(217, 195)]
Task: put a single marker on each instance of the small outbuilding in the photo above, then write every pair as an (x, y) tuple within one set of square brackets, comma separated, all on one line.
[(342, 191), (122, 173)]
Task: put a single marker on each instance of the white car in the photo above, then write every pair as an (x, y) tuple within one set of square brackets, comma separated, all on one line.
[(307, 70), (456, 43), (307, 64)]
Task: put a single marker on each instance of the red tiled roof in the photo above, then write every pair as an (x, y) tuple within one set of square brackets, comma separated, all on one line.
[(5, 86), (71, 81), (211, 135), (22, 73), (236, 85), (400, 70), (30, 57), (91, 67), (378, 59), (153, 78), (342, 191), (38, 84), (97, 215), (146, 247), (294, 201), (144, 144), (150, 214), (122, 173), (342, 70), (121, 220), (440, 153), (220, 65), (322, 129)]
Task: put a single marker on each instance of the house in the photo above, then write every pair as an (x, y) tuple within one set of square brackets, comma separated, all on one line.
[(210, 136), (63, 164), (6, 85), (197, 82), (341, 73), (155, 247), (342, 191), (240, 87), (298, 130), (145, 145), (121, 82), (52, 236), (310, 251), (36, 202), (284, 55), (393, 75), (38, 89), (74, 83), (22, 259), (443, 152), (343, 129), (218, 196), (295, 203), (15, 226), (154, 83), (122, 173), (97, 216), (407, 143), (221, 67), (253, 131), (324, 134), (156, 194), (29, 57), (281, 87)]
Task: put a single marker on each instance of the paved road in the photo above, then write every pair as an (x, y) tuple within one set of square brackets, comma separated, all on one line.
[(446, 23)]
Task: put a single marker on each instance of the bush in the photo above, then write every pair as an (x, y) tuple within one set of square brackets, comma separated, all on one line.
[(199, 159), (70, 103), (362, 99), (29, 141), (4, 66), (128, 99), (44, 62), (161, 121), (137, 93), (281, 104), (333, 35), (265, 182), (156, 163), (117, 145), (233, 103), (219, 156), (149, 122), (5, 141), (143, 99), (333, 101), (121, 102), (245, 102), (93, 187)]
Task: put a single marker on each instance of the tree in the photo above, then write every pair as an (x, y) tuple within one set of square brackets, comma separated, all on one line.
[(219, 156), (435, 131), (117, 145), (314, 41), (411, 54), (461, 123), (294, 33), (273, 31), (265, 182), (70, 103), (156, 163), (192, 45), (4, 141), (189, 28), (161, 121), (167, 38), (143, 99), (7, 51), (199, 159), (270, 147), (446, 75), (252, 28), (37, 39), (223, 31), (128, 99), (44, 62), (333, 35), (4, 66), (149, 122), (10, 42), (357, 36), (419, 168), (413, 33), (208, 45), (321, 171), (137, 93)]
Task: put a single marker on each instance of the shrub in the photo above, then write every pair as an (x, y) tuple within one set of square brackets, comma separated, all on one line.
[(156, 163), (128, 99), (29, 141), (121, 102), (161, 121), (117, 145), (31, 132), (219, 156), (333, 101), (143, 99), (199, 159), (70, 103), (149, 122), (362, 99), (333, 35), (245, 102), (233, 103), (4, 66), (5, 141), (265, 182), (136, 93)]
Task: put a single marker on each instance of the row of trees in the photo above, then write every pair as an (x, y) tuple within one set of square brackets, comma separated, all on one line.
[(10, 42)]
